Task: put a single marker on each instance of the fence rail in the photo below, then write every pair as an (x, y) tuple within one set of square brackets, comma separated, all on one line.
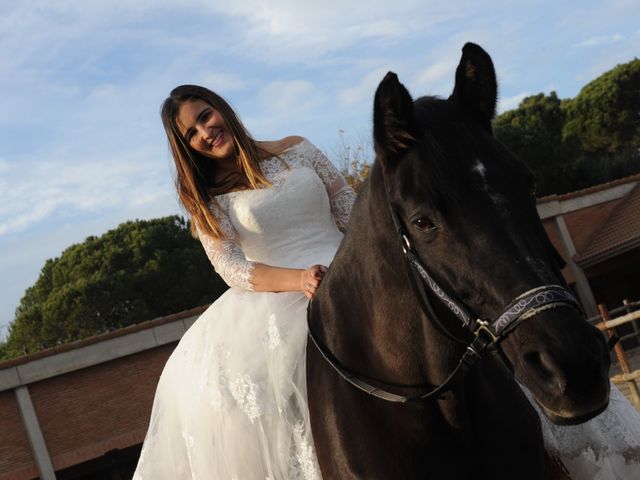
[(616, 322), (607, 324)]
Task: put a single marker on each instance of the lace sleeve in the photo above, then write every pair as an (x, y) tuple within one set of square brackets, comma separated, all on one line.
[(226, 254), (341, 195)]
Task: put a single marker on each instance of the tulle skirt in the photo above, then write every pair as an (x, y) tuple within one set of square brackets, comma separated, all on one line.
[(231, 404), (231, 400), (606, 447)]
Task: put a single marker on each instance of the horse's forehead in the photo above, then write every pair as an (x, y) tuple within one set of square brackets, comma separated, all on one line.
[(480, 170)]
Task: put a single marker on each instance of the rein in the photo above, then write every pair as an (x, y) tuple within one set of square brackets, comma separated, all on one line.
[(487, 334)]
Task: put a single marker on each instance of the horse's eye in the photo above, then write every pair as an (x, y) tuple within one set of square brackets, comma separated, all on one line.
[(423, 224)]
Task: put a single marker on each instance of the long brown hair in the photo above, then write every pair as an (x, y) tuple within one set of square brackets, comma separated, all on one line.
[(195, 180)]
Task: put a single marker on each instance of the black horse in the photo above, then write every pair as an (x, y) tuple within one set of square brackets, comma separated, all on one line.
[(467, 210)]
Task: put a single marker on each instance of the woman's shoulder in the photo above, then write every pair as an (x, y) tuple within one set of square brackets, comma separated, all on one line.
[(278, 147), (291, 141)]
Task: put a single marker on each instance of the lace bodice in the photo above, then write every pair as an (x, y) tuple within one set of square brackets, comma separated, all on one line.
[(294, 223)]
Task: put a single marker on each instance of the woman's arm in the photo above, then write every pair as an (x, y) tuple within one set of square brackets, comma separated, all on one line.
[(341, 195), (237, 271), (265, 278)]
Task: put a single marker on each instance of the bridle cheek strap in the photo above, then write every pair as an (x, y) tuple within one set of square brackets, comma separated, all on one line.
[(524, 306)]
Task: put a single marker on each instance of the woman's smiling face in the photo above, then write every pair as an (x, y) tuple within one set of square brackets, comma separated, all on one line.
[(205, 130)]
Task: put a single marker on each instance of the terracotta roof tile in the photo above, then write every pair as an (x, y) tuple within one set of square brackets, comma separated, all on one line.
[(584, 224), (619, 231)]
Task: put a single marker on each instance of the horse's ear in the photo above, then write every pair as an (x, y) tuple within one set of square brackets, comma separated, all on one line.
[(476, 87), (394, 121)]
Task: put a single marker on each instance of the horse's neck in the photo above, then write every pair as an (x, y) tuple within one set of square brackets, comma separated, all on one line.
[(373, 323), (380, 328)]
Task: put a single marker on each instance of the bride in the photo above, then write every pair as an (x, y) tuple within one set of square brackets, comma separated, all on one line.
[(231, 400)]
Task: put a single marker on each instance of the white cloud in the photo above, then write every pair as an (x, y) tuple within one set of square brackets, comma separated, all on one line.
[(74, 186), (598, 41), (379, 29), (286, 31), (283, 107), (281, 31), (105, 92), (225, 81), (509, 103), (601, 60), (287, 96), (437, 72), (364, 89)]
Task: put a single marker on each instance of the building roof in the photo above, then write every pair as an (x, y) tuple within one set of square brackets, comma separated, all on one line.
[(120, 332), (589, 190), (619, 233), (603, 221)]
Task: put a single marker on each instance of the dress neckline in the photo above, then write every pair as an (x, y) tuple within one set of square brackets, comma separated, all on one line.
[(284, 152)]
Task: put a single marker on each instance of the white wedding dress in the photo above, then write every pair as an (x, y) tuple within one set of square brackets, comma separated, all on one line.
[(231, 400)]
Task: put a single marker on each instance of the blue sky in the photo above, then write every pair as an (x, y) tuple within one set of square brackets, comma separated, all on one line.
[(81, 144)]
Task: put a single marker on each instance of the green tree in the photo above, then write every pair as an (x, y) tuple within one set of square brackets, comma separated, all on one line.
[(574, 143), (604, 122), (136, 272), (605, 116), (533, 132)]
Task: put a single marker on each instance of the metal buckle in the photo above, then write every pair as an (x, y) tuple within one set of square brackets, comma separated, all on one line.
[(483, 327)]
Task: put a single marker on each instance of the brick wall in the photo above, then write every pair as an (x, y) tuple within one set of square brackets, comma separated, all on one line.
[(85, 413), (15, 451)]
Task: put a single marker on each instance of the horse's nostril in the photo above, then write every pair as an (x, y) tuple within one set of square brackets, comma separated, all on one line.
[(534, 361), (545, 367)]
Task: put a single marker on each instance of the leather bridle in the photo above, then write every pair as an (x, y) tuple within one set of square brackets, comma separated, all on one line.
[(487, 334)]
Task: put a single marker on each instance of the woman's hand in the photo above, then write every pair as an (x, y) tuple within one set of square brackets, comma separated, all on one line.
[(310, 279)]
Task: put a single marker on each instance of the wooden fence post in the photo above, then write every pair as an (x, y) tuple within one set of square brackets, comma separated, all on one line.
[(634, 323), (622, 359)]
